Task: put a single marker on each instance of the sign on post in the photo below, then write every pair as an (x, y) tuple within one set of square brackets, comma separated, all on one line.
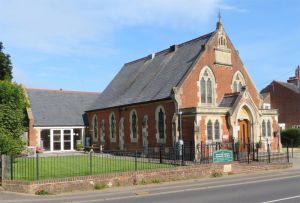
[(222, 156)]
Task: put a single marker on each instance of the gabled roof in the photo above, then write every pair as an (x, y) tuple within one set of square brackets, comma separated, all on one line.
[(228, 100), (289, 86), (151, 79), (60, 107)]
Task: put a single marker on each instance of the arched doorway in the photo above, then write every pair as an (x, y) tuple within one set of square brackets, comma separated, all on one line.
[(245, 136)]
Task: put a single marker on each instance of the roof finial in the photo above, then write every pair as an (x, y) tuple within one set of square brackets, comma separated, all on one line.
[(219, 23), (219, 16)]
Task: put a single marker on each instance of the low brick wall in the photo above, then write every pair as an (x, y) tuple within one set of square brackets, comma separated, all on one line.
[(129, 178)]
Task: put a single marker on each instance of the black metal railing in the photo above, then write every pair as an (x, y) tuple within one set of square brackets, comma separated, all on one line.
[(53, 166)]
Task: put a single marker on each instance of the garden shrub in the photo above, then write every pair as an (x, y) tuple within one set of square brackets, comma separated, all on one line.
[(289, 135)]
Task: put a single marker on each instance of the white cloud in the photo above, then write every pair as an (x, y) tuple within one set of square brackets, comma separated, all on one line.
[(73, 27)]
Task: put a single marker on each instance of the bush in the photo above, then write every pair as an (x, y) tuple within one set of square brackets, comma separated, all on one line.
[(79, 147), (289, 135), (100, 186), (42, 192), (216, 174)]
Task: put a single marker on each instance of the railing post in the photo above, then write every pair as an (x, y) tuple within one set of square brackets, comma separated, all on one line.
[(292, 148), (11, 167), (233, 150), (237, 151), (135, 161), (37, 166), (253, 151), (91, 163), (201, 155), (174, 154), (160, 154), (268, 150), (248, 150), (287, 154), (182, 155)]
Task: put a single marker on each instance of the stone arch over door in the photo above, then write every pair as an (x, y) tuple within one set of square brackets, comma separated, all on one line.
[(245, 120)]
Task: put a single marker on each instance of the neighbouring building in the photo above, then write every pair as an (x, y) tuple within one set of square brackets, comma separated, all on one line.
[(202, 81), (285, 96), (57, 118)]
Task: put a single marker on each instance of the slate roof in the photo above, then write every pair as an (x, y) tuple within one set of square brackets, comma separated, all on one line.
[(228, 100), (289, 86), (60, 108), (148, 79)]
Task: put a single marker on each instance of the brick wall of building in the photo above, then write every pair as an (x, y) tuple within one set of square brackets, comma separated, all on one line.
[(141, 110), (287, 103), (223, 76)]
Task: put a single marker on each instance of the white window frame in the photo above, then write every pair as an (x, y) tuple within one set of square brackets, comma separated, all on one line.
[(211, 76), (213, 121), (266, 129), (239, 81)]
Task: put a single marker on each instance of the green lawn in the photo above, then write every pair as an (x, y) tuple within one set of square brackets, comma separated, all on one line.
[(77, 165)]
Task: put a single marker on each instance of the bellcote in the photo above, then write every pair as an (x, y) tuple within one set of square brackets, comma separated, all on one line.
[(222, 52)]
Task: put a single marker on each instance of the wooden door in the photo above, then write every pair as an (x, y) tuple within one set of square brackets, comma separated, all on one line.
[(243, 135)]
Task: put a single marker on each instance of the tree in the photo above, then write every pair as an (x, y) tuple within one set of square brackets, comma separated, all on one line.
[(13, 103), (5, 65)]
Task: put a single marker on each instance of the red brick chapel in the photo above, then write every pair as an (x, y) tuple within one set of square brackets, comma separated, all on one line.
[(203, 81)]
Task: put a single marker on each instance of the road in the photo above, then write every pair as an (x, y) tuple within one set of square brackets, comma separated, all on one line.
[(272, 186)]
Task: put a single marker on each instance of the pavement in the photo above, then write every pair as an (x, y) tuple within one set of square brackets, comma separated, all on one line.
[(263, 187)]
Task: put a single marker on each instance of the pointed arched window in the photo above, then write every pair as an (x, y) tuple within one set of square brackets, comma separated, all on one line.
[(209, 130), (207, 83), (203, 90), (161, 124), (217, 130), (263, 128), (238, 82), (269, 128), (209, 91), (160, 121), (112, 127), (133, 125), (235, 87)]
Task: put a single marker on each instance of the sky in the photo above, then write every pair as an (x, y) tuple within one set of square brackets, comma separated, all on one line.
[(82, 44)]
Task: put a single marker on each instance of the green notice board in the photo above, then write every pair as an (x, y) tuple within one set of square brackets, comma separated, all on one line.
[(222, 156)]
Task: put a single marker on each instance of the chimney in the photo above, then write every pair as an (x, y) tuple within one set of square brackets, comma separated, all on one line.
[(173, 48), (152, 56), (295, 79)]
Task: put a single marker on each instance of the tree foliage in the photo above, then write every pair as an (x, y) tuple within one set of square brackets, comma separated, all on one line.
[(291, 135), (13, 105), (5, 65)]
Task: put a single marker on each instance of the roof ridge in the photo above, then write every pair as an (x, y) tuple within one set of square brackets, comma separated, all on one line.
[(67, 91), (165, 50)]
